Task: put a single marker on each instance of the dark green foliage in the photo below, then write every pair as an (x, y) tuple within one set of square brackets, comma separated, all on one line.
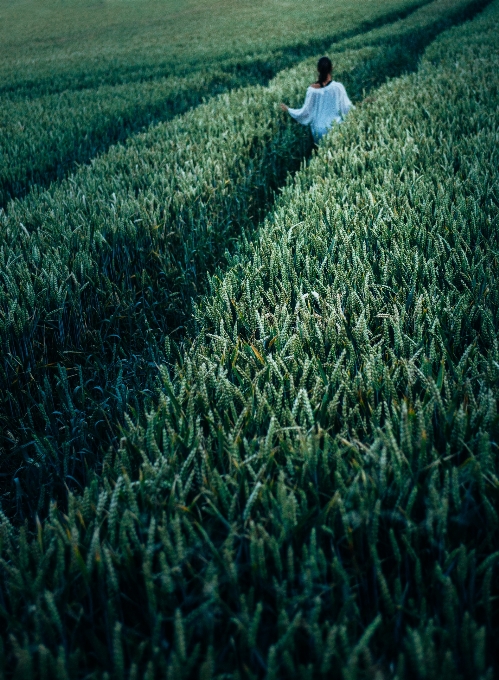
[(98, 269), (49, 124), (315, 493), (44, 136)]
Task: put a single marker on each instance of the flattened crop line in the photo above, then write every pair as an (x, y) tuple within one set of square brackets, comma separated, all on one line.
[(267, 65), (402, 50), (59, 130), (84, 278)]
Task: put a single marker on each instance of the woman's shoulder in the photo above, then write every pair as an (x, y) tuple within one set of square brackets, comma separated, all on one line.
[(330, 86)]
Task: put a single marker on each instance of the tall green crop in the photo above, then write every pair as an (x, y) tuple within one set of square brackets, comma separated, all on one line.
[(99, 269), (48, 47), (315, 493), (47, 127), (71, 93), (42, 138)]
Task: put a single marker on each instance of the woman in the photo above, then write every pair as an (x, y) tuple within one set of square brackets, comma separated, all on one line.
[(326, 102)]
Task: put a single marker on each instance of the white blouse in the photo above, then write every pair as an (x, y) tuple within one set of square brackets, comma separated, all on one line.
[(322, 107)]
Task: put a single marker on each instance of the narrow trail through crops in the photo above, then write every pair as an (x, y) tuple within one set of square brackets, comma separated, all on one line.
[(217, 80), (137, 371), (401, 56)]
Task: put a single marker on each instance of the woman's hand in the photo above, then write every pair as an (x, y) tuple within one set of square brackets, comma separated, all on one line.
[(284, 107)]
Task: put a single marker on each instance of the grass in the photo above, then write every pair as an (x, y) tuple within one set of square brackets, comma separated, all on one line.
[(49, 125), (106, 263), (310, 489), (48, 46)]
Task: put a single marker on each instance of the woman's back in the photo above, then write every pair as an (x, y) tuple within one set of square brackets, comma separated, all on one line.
[(323, 106)]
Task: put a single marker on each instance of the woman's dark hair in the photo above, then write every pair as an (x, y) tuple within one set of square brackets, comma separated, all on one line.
[(324, 66)]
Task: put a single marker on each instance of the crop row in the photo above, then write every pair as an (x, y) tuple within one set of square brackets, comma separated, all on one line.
[(98, 269), (163, 41), (43, 137), (315, 494), (108, 261)]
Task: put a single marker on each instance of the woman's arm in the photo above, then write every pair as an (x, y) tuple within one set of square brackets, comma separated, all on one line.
[(345, 103), (305, 114)]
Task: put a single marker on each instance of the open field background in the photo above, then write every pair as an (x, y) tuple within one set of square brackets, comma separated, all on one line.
[(49, 46), (114, 274), (295, 476), (115, 69)]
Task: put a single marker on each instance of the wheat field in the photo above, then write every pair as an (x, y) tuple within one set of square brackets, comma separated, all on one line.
[(249, 386)]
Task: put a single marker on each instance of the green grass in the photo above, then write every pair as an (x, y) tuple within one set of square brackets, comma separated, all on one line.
[(314, 494), (49, 125), (302, 480), (98, 269), (49, 46), (43, 135)]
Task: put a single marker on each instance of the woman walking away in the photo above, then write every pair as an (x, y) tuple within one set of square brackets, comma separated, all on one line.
[(325, 102)]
